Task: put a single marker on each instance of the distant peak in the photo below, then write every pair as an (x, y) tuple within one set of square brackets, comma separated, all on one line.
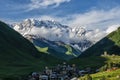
[(27, 20)]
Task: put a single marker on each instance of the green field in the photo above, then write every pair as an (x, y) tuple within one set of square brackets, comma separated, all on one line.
[(70, 51), (94, 61), (44, 50), (113, 75), (111, 69)]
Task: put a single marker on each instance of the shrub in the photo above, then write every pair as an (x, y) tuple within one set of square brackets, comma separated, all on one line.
[(103, 78), (88, 77)]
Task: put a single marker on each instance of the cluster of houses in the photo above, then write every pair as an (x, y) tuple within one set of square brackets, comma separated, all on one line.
[(59, 72)]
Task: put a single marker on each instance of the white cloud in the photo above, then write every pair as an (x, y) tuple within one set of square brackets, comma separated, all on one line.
[(53, 34), (112, 28), (96, 18), (101, 21), (51, 18), (62, 20), (35, 4), (95, 35)]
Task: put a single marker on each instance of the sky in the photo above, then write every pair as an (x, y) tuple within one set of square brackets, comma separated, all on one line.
[(92, 14)]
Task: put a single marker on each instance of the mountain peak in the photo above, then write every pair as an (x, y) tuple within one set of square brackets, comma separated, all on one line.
[(53, 31), (44, 23)]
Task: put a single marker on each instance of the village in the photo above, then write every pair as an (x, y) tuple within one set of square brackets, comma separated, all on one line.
[(66, 71), (60, 72)]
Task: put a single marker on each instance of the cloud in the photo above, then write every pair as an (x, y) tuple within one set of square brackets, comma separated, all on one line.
[(96, 18), (62, 20), (95, 35), (35, 4), (52, 34), (102, 22), (112, 28), (51, 18)]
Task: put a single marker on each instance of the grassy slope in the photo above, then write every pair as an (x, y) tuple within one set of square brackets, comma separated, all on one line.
[(44, 50), (115, 36), (18, 56), (58, 50), (110, 43), (83, 63), (112, 75), (108, 75), (91, 57), (70, 51)]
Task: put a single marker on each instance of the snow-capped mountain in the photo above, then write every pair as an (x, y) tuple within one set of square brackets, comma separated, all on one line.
[(54, 31)]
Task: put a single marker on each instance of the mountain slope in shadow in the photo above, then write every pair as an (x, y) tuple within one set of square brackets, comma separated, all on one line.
[(18, 56)]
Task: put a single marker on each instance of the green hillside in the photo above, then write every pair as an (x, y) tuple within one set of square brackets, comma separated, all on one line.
[(92, 56), (109, 71), (110, 44), (106, 75), (105, 56), (113, 75), (56, 49), (102, 55), (18, 56)]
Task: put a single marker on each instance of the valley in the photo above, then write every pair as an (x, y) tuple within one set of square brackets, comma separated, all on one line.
[(27, 57), (59, 39)]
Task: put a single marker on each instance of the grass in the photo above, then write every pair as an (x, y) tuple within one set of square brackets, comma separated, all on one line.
[(44, 50), (114, 36), (113, 75), (113, 59), (110, 43), (18, 56), (108, 75), (93, 61), (69, 52), (56, 49)]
